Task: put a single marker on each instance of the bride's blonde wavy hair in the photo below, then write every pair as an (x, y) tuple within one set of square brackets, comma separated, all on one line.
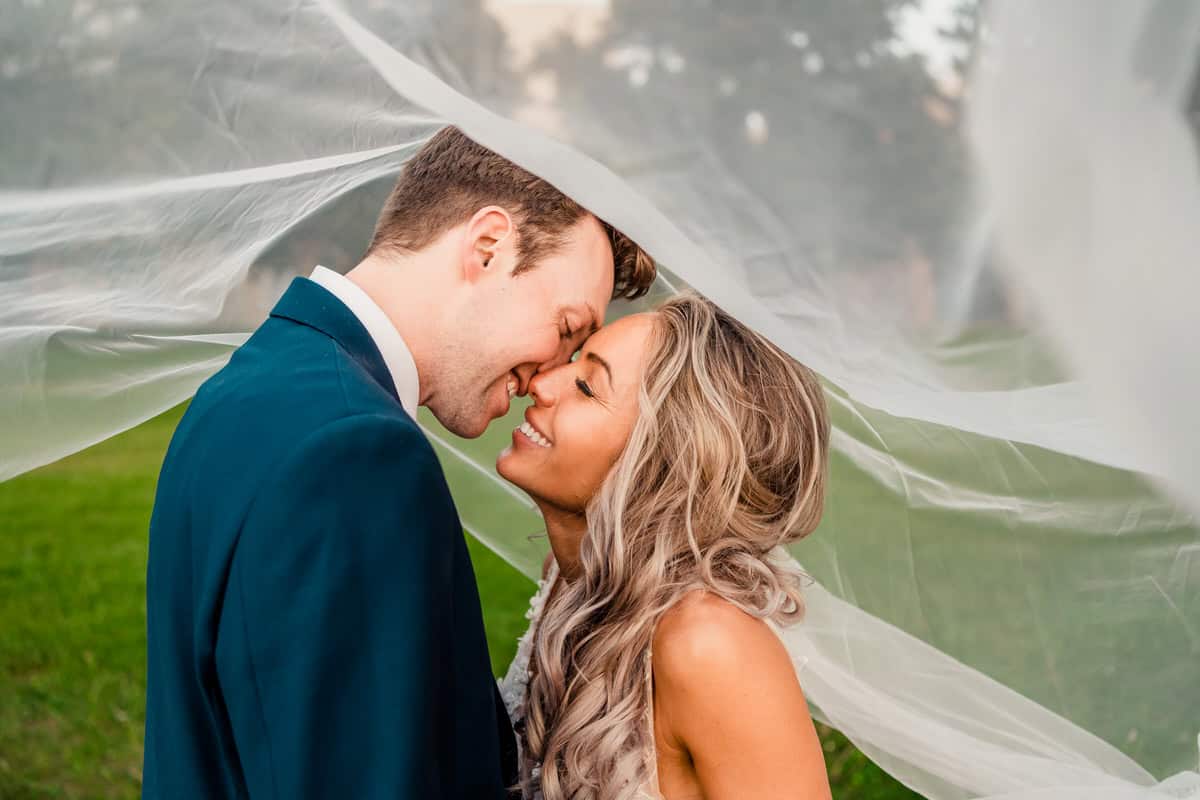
[(726, 461)]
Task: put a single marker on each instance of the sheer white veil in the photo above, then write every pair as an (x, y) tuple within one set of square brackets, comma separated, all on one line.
[(980, 225)]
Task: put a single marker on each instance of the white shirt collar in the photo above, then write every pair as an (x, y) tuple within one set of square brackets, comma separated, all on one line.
[(395, 352)]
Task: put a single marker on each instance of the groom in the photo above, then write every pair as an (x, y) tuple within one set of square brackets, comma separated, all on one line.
[(314, 625)]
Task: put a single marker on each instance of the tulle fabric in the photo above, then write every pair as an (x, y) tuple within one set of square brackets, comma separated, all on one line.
[(984, 241)]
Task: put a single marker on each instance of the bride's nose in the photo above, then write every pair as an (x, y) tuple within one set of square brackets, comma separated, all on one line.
[(541, 387)]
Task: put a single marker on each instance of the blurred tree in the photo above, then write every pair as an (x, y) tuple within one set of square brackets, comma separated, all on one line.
[(821, 115)]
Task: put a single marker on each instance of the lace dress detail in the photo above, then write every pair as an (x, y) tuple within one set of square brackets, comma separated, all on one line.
[(515, 684)]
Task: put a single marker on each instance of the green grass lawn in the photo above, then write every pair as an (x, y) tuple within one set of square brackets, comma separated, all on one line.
[(72, 626)]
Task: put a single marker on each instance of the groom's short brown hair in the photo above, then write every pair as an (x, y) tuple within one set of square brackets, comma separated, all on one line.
[(451, 177)]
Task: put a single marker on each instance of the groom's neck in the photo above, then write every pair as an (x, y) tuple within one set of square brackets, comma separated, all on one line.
[(413, 291)]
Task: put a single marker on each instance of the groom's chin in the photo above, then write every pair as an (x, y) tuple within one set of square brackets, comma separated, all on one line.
[(463, 425)]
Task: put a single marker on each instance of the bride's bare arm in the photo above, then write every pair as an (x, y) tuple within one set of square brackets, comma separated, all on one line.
[(727, 695)]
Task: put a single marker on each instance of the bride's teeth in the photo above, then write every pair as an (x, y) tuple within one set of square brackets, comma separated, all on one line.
[(533, 435)]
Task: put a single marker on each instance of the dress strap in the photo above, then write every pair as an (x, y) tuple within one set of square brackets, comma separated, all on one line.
[(650, 789)]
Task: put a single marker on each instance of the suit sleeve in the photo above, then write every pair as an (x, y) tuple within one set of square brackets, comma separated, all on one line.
[(329, 649)]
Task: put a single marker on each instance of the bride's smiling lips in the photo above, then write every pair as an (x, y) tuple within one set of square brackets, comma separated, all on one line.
[(529, 434)]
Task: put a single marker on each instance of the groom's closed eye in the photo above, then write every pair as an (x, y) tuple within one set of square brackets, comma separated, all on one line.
[(590, 325)]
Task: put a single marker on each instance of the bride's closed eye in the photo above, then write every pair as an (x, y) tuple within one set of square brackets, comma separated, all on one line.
[(584, 389)]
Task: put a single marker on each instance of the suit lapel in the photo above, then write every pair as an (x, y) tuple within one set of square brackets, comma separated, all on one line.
[(310, 304)]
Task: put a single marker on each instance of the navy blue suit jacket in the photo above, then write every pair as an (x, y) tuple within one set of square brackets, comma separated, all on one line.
[(314, 627)]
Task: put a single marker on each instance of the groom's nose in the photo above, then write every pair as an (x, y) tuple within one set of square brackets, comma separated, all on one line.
[(527, 372), (525, 375)]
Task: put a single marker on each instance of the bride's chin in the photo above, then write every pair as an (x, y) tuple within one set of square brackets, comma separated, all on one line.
[(504, 462)]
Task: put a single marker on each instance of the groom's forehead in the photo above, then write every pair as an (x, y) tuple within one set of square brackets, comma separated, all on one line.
[(584, 264), (567, 284)]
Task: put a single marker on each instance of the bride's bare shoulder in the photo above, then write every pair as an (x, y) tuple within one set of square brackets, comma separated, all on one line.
[(724, 684), (704, 630)]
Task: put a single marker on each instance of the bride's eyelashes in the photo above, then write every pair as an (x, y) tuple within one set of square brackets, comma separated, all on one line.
[(584, 389)]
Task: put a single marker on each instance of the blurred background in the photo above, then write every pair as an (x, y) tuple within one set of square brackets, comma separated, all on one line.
[(827, 143)]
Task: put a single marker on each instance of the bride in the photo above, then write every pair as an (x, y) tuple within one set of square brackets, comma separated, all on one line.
[(670, 460)]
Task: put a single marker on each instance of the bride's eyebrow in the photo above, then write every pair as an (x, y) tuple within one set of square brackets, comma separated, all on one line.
[(593, 357)]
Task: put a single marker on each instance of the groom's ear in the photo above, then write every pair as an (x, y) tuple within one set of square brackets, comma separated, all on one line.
[(488, 232)]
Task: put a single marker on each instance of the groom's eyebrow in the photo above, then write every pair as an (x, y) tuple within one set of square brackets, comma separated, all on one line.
[(601, 362)]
